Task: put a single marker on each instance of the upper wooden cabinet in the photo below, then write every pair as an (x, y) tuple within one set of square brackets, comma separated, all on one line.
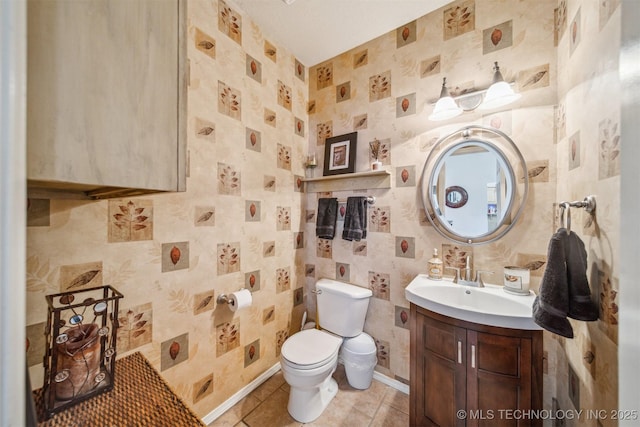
[(106, 97)]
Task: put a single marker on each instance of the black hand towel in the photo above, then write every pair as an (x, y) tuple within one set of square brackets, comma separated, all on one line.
[(551, 306), (581, 307), (355, 219), (326, 218), (564, 290)]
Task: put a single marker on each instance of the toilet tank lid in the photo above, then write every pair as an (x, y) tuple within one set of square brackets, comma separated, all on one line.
[(343, 288)]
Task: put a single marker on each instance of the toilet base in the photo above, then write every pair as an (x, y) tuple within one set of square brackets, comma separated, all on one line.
[(306, 405)]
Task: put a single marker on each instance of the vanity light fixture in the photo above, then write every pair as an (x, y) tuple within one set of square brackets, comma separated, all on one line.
[(500, 93), (446, 107)]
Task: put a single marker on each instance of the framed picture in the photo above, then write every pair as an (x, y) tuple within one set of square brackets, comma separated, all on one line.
[(340, 154)]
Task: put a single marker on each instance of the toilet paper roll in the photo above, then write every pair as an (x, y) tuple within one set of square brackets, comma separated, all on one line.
[(240, 299)]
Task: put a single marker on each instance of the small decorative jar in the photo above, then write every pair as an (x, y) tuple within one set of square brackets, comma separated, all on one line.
[(516, 280), (310, 165)]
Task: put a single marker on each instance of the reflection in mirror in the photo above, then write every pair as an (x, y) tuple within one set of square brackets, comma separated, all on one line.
[(469, 187), (456, 196), (483, 171)]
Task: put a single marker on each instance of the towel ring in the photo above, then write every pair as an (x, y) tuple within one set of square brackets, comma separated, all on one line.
[(589, 205), (565, 207)]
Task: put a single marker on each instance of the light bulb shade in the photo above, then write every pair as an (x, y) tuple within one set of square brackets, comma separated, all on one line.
[(446, 108), (499, 94)]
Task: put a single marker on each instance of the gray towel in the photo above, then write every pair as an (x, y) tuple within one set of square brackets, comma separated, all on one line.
[(326, 218), (581, 307), (564, 290), (551, 306), (355, 219)]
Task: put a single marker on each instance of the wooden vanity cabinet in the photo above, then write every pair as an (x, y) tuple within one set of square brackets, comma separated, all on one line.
[(492, 374)]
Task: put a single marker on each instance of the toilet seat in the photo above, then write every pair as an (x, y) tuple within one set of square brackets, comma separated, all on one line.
[(310, 348)]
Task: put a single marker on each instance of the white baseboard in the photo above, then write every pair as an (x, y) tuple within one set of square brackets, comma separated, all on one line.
[(400, 386), (241, 394)]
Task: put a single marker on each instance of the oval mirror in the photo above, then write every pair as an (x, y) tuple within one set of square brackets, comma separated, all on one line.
[(469, 187)]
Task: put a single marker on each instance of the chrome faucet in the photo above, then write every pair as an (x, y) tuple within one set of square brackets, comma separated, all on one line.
[(467, 269), (466, 279)]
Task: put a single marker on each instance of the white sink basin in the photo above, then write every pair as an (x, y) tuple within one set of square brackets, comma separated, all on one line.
[(490, 305)]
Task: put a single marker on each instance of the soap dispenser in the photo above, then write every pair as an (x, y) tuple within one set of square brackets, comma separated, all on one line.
[(434, 268)]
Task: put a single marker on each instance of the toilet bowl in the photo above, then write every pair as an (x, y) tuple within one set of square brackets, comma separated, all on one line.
[(309, 357)]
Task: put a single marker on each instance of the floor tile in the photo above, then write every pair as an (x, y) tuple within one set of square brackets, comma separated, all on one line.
[(225, 420), (236, 413), (366, 401), (397, 399), (272, 412), (341, 412), (388, 416), (379, 405), (269, 386)]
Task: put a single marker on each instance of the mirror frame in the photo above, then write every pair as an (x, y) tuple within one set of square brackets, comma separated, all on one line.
[(509, 155)]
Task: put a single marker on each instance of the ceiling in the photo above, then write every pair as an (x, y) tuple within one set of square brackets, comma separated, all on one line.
[(317, 30)]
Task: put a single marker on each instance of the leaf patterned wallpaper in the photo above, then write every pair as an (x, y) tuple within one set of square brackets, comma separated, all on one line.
[(583, 372), (393, 81), (238, 224), (255, 111)]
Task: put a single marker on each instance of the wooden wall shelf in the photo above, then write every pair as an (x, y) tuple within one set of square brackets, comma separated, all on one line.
[(350, 181)]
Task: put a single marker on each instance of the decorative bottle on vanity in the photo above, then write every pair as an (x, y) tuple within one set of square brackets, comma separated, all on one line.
[(434, 266)]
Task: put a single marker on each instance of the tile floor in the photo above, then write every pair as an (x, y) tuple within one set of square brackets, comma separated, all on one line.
[(378, 406)]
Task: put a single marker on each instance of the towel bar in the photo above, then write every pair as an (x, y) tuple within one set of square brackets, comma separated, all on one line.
[(370, 200)]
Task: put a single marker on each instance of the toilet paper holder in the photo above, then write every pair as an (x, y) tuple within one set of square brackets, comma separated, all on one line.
[(224, 298)]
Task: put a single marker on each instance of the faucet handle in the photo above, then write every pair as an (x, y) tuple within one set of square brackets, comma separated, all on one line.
[(479, 277), (457, 276)]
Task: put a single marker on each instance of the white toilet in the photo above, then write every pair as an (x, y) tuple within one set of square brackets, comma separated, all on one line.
[(309, 357)]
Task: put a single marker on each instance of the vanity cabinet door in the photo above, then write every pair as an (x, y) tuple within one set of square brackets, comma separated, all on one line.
[(439, 374), (498, 379), (106, 96), (487, 372)]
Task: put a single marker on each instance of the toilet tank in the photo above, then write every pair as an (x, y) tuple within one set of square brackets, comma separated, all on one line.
[(342, 307)]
